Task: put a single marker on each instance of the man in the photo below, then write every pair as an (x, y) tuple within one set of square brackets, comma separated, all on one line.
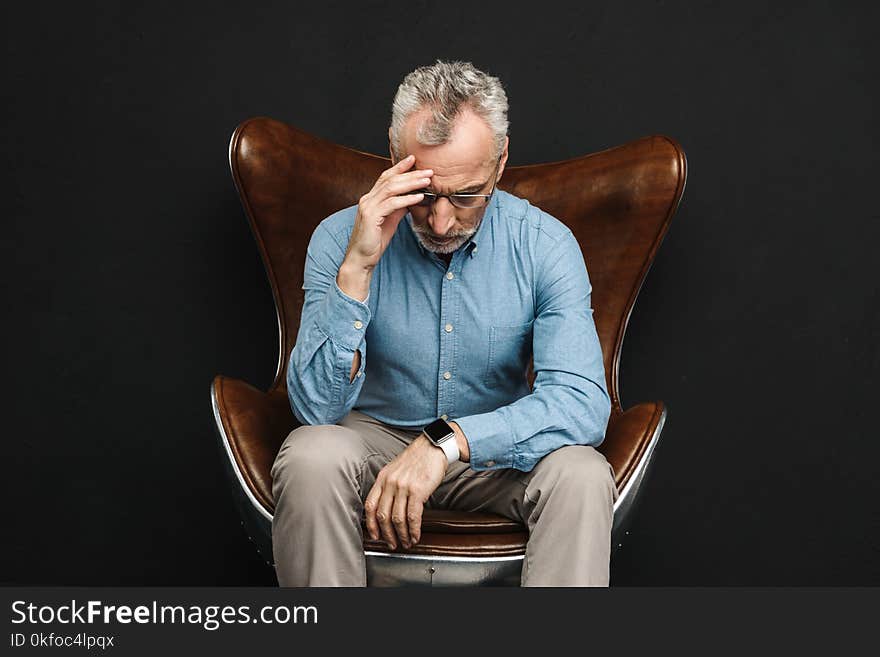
[(423, 305)]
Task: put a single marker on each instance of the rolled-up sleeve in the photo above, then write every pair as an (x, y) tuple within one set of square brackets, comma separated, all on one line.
[(332, 327), (569, 403)]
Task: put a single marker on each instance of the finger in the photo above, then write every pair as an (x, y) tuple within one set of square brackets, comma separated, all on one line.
[(415, 173), (398, 202), (392, 176), (414, 518), (401, 166), (401, 185), (399, 519), (380, 193), (371, 503), (383, 516)]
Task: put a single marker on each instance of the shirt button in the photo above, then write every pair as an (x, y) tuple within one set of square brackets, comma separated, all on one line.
[(450, 275), (447, 375), (489, 464), (360, 374), (444, 417), (359, 324), (448, 328)]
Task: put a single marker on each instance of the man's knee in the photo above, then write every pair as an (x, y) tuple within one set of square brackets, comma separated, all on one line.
[(313, 455), (577, 470)]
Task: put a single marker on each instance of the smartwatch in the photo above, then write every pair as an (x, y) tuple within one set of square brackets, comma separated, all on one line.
[(442, 435)]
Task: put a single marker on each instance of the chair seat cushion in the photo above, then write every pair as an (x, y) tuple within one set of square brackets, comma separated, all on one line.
[(463, 534), (462, 522)]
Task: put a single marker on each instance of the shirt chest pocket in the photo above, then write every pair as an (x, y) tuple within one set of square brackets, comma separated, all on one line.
[(510, 348)]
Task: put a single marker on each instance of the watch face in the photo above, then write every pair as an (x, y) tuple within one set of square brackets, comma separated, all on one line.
[(437, 430)]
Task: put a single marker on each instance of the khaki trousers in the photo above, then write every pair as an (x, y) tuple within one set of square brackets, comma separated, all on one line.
[(323, 473)]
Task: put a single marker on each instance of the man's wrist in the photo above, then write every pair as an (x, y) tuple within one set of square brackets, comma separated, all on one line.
[(435, 449), (354, 280), (464, 450), (447, 437)]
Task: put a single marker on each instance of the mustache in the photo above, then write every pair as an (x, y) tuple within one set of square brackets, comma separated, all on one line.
[(462, 232)]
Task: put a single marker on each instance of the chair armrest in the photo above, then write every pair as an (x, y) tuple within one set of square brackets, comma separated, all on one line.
[(254, 424), (628, 438)]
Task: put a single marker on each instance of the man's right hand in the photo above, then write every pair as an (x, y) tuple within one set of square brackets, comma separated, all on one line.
[(379, 212)]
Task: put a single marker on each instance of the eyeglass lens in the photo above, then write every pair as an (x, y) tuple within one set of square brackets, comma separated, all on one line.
[(456, 200)]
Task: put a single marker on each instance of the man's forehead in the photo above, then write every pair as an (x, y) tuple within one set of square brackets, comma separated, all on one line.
[(468, 152), (451, 163), (454, 172)]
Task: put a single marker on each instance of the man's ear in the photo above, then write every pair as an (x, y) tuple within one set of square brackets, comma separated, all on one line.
[(504, 153)]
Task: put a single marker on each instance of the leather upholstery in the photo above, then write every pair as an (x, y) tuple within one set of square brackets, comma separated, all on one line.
[(618, 203)]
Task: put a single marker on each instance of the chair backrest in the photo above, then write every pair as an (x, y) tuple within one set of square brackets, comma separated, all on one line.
[(618, 203)]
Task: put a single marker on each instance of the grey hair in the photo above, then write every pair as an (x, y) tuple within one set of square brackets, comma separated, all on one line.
[(447, 88)]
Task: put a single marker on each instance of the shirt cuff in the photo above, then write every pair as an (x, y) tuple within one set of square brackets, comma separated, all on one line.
[(344, 319), (489, 439)]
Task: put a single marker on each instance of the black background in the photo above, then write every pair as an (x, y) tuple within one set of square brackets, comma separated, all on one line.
[(130, 277)]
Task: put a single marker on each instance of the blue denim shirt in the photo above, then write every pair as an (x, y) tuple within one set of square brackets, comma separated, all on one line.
[(456, 341)]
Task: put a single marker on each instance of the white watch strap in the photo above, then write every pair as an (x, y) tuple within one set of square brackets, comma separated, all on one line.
[(450, 448)]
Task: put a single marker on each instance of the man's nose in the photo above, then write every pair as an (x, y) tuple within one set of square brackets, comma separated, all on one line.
[(442, 216)]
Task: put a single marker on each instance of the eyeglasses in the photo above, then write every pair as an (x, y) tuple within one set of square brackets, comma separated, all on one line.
[(462, 201)]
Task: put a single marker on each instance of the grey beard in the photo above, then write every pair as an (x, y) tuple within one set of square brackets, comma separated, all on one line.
[(459, 238)]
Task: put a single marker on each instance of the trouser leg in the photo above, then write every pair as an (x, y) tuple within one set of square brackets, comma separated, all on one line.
[(566, 502), (319, 480)]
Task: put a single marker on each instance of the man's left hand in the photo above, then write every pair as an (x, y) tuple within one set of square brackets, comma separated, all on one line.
[(395, 503)]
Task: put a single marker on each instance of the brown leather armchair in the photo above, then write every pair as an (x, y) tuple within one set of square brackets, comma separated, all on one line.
[(618, 202)]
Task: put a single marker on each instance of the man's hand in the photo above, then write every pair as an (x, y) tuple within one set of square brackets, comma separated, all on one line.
[(379, 212), (395, 503)]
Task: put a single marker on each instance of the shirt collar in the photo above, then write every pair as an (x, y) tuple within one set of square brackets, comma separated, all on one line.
[(471, 245)]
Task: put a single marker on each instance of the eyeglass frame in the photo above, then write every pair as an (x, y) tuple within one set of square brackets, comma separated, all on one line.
[(430, 198)]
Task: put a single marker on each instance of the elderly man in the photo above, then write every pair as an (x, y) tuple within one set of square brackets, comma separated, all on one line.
[(423, 305)]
